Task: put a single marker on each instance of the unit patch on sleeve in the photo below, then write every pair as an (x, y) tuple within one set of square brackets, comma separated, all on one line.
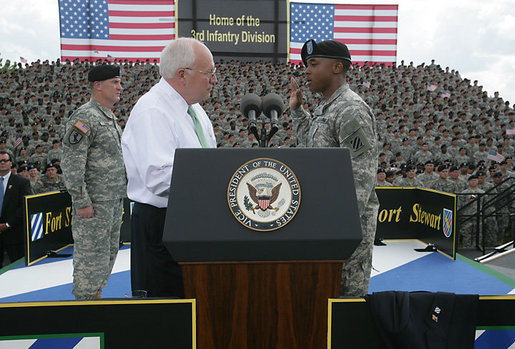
[(78, 132)]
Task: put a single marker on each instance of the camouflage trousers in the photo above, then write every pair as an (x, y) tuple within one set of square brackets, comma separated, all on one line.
[(503, 223), (96, 243), (490, 230), (357, 269), (467, 235)]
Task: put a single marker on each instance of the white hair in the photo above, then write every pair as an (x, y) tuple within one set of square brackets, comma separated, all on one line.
[(178, 54)]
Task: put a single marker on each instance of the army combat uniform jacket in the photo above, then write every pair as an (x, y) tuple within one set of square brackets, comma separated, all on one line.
[(344, 121), (92, 162)]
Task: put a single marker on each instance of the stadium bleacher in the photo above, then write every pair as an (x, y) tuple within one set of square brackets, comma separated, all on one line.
[(423, 113)]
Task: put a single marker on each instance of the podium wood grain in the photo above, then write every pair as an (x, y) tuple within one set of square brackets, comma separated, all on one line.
[(262, 305)]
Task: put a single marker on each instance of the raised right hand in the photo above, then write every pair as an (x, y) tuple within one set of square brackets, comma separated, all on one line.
[(295, 96)]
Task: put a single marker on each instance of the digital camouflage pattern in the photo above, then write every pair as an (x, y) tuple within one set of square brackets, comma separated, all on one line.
[(467, 230), (426, 180), (445, 186), (96, 247), (405, 183), (94, 174), (92, 160), (37, 186), (52, 184), (502, 208), (346, 121)]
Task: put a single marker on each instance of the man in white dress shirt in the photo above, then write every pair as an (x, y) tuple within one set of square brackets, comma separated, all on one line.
[(164, 119)]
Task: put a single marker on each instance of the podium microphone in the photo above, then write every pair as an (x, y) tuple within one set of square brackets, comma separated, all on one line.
[(251, 107), (273, 106)]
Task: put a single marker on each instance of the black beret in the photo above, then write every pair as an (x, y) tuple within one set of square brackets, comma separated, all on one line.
[(325, 49), (442, 167), (472, 177), (104, 72), (497, 174), (381, 171)]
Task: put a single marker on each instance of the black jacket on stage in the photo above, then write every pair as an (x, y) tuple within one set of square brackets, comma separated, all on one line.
[(424, 320)]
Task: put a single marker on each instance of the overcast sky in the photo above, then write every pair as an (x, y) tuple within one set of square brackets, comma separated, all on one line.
[(475, 37)]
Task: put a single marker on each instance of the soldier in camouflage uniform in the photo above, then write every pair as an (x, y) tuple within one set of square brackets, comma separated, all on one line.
[(56, 152), (428, 177), (502, 207), (381, 179), (454, 178), (344, 120), (442, 184), (411, 180), (467, 229), (94, 174), (51, 180), (39, 156), (35, 181)]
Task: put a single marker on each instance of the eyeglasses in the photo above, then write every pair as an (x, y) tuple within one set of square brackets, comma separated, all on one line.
[(209, 74), (4, 160)]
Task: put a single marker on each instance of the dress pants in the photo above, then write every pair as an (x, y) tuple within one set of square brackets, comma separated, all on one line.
[(153, 269)]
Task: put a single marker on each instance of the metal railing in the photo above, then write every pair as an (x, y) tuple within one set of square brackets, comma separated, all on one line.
[(486, 206)]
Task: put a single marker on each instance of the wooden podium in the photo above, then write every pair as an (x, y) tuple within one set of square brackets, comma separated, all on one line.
[(261, 289), (262, 304)]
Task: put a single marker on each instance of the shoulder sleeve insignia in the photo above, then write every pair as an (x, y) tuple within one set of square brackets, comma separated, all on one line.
[(354, 138), (82, 127), (75, 136)]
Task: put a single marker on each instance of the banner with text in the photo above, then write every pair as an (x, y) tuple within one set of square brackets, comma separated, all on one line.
[(48, 224), (415, 213), (235, 28)]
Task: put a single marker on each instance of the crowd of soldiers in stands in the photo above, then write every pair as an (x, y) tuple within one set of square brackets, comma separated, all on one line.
[(435, 129)]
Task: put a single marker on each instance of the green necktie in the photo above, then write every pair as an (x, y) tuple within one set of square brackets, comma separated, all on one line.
[(198, 128)]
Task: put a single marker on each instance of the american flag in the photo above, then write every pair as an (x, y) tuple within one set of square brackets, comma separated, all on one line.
[(122, 29), (17, 142), (23, 60), (369, 31), (495, 156)]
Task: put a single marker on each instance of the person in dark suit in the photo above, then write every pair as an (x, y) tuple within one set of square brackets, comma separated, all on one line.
[(13, 189)]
